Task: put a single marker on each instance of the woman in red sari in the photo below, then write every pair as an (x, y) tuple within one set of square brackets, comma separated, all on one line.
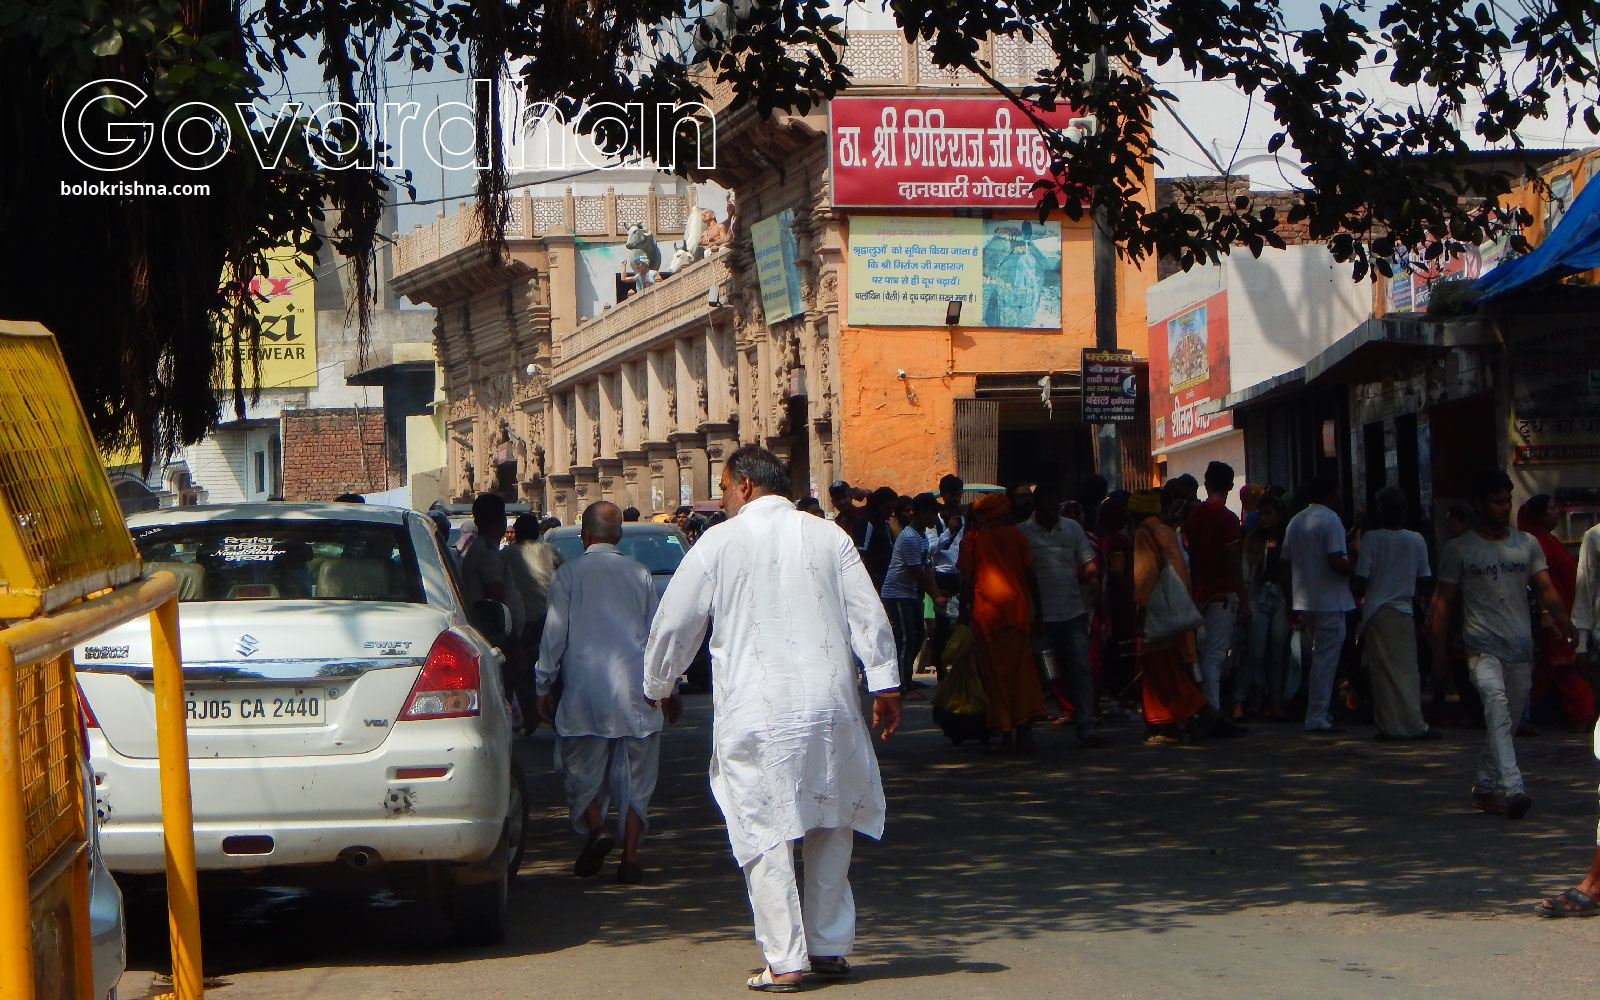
[(1555, 663), (998, 594)]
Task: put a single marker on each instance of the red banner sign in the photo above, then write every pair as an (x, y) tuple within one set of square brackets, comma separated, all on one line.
[(1189, 374), (937, 152)]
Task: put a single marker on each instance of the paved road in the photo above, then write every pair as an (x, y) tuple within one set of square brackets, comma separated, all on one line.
[(1279, 865)]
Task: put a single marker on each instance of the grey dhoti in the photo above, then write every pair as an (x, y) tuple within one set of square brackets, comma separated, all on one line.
[(620, 772), (1390, 656)]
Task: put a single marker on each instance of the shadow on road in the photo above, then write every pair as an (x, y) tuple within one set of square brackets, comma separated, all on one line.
[(979, 848)]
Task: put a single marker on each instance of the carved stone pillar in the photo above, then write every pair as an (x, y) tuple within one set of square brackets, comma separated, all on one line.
[(722, 440), (693, 469), (664, 481), (585, 489), (635, 490), (561, 494), (610, 479)]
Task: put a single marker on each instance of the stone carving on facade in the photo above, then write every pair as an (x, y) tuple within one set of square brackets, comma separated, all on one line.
[(572, 445), (606, 483), (630, 475), (829, 289), (594, 439), (582, 489), (559, 497), (672, 405), (683, 459), (714, 451), (655, 468), (467, 478), (616, 416)]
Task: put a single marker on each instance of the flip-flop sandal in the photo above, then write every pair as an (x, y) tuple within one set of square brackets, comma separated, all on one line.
[(1584, 904), (830, 968), (764, 983), (593, 857)]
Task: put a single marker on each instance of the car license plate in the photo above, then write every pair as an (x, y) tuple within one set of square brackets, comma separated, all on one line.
[(288, 706)]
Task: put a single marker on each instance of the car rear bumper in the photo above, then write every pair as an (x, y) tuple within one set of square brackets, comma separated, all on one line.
[(316, 809)]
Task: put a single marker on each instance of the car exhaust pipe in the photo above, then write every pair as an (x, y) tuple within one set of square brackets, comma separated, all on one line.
[(361, 858)]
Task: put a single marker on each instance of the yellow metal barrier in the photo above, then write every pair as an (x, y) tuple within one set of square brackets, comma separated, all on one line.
[(62, 541)]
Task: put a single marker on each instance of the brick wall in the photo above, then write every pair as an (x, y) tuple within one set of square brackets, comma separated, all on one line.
[(329, 452), (1221, 191)]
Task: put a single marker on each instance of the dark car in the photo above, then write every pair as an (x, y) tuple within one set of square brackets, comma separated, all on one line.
[(660, 547)]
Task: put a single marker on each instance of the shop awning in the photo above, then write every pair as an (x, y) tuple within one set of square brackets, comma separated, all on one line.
[(1263, 392), (1573, 247), (1357, 355)]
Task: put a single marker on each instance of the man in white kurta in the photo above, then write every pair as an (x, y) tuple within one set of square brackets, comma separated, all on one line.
[(792, 758), (608, 742)]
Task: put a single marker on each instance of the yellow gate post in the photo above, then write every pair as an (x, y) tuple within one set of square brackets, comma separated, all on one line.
[(177, 808), (69, 571)]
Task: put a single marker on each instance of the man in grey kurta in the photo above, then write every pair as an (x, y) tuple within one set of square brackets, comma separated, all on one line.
[(608, 736)]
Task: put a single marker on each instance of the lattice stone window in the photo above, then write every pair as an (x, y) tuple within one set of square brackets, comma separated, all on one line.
[(930, 75), (876, 56), (514, 219), (548, 214), (1019, 60), (631, 208), (591, 217), (672, 212)]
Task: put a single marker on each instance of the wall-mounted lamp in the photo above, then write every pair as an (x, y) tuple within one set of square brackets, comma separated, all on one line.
[(911, 394), (952, 312)]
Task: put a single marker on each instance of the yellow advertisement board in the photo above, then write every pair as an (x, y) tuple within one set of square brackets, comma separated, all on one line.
[(903, 271), (286, 297)]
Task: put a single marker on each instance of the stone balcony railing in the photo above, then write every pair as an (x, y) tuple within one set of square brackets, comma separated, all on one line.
[(592, 216), (677, 300), (879, 58)]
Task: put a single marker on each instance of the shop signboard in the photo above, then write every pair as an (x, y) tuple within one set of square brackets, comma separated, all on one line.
[(773, 242), (286, 300), (943, 152), (1555, 394), (904, 271), (1110, 386), (1189, 374)]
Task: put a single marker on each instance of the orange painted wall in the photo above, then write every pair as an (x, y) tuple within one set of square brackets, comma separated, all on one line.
[(889, 436)]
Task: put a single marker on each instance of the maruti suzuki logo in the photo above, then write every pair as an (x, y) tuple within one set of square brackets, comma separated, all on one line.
[(247, 645)]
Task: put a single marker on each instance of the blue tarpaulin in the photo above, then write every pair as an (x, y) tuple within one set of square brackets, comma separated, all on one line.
[(1573, 247)]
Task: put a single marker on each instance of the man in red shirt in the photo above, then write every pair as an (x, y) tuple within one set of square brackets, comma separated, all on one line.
[(1216, 574)]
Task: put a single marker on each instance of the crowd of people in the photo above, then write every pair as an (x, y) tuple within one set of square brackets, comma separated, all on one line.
[(1162, 603)]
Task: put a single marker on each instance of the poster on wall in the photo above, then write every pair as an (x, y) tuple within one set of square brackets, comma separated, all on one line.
[(286, 300), (776, 252), (904, 271), (1189, 374), (958, 152), (1110, 381)]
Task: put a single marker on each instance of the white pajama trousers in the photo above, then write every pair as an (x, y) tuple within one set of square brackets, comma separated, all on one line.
[(826, 926)]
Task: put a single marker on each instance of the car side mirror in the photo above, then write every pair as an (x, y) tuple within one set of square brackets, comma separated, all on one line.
[(493, 620)]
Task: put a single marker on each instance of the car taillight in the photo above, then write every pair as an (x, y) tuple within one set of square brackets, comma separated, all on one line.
[(447, 688), (86, 720)]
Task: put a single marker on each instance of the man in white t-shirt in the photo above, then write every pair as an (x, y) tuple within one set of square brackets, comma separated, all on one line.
[(1390, 569), (1491, 568), (1318, 568)]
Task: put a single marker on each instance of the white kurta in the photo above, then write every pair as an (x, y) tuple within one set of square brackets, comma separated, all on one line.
[(597, 620), (791, 602)]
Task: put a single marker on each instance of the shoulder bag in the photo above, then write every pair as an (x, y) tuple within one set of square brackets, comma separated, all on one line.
[(1170, 611)]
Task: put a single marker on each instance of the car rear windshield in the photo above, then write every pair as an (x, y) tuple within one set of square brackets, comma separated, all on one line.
[(285, 560), (660, 551)]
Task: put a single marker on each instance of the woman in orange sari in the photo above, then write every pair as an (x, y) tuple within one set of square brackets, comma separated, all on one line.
[(999, 592), (1171, 697)]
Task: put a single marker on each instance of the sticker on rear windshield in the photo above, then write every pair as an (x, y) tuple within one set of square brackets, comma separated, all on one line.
[(244, 550)]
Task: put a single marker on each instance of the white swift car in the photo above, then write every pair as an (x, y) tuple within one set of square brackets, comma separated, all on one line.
[(345, 719)]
